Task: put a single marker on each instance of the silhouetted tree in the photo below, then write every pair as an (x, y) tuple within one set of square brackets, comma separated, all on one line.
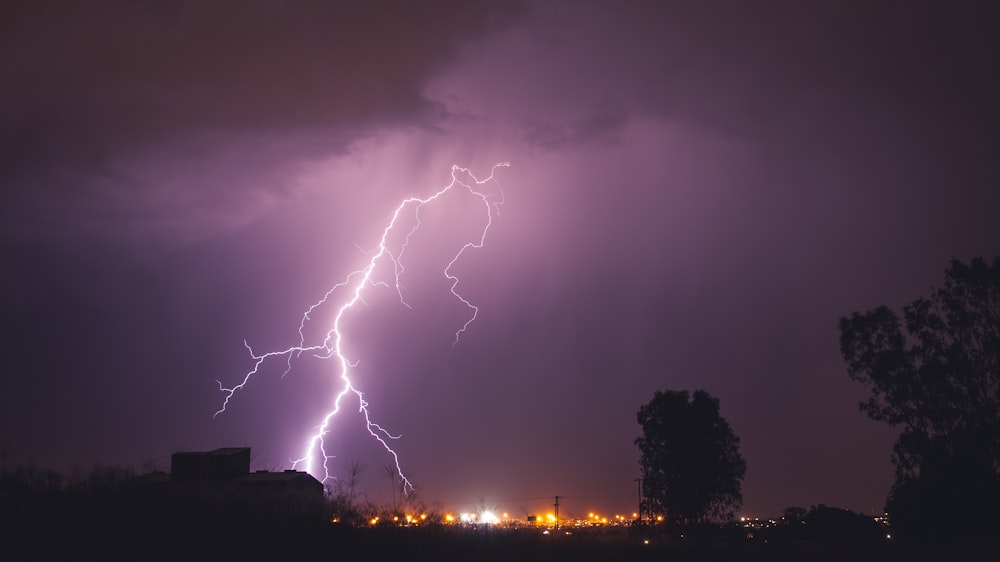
[(341, 497), (793, 514), (691, 464), (833, 524), (939, 380)]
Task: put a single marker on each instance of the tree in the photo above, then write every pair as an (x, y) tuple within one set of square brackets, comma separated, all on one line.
[(691, 464), (939, 380), (793, 514)]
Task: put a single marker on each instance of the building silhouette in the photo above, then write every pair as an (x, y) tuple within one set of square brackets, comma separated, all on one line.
[(218, 486)]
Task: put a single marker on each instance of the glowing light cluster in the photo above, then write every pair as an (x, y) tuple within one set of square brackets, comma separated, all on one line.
[(355, 284)]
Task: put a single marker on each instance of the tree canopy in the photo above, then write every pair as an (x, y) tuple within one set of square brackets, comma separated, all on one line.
[(936, 374), (691, 464)]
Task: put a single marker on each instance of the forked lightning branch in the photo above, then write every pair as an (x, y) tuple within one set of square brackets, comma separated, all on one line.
[(350, 292)]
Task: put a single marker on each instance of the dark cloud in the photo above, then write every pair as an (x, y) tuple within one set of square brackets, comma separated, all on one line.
[(91, 89), (733, 65), (603, 125)]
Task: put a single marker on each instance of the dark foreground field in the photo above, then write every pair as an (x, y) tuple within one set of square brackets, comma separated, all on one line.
[(135, 541)]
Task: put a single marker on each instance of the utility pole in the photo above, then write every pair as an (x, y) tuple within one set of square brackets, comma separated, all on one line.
[(639, 480), (556, 505)]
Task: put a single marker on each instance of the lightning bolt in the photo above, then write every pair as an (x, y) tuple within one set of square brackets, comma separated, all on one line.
[(355, 285)]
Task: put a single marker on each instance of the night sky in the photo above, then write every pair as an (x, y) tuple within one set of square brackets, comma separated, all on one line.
[(697, 191)]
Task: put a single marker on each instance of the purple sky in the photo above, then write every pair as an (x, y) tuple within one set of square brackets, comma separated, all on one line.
[(697, 191)]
